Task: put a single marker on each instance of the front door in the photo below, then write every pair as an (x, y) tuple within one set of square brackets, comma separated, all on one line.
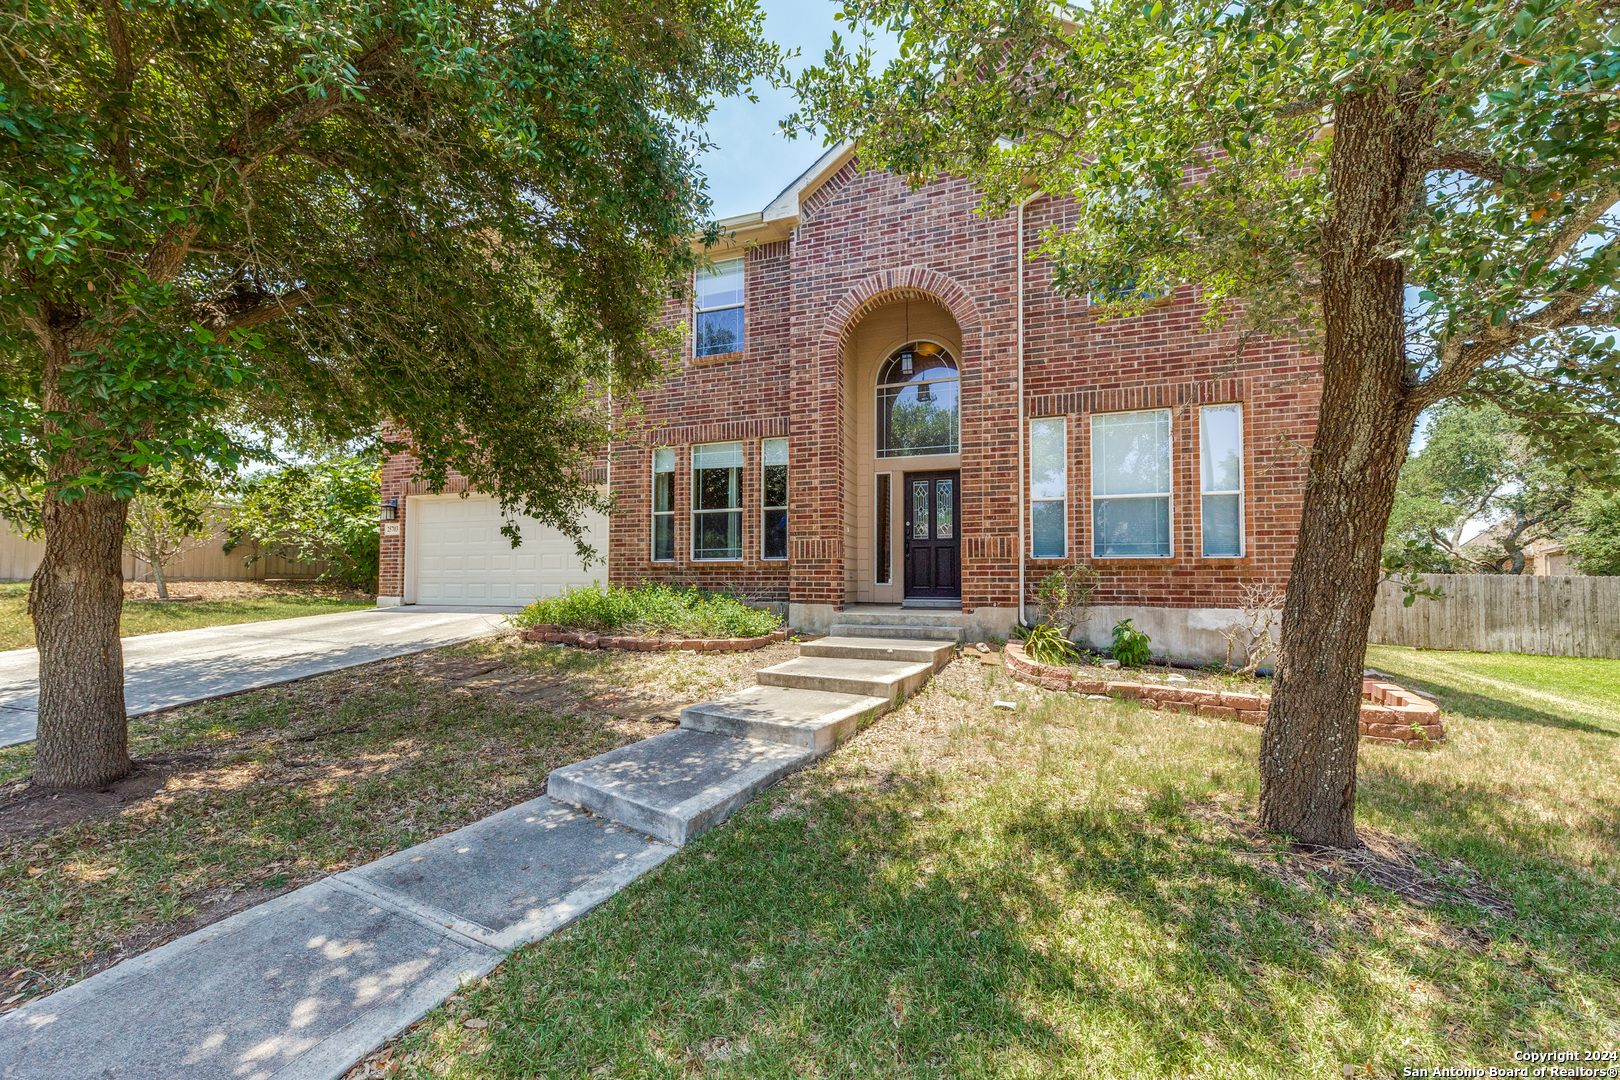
[(933, 536)]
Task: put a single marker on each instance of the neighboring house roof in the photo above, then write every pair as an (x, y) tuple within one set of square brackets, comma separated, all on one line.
[(781, 214)]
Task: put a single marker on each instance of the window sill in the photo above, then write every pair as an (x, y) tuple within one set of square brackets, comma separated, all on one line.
[(716, 358), (702, 559)]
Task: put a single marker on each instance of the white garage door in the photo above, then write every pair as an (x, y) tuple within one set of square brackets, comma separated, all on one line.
[(460, 556)]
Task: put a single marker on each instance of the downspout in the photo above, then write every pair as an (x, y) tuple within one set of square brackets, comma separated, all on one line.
[(1018, 261)]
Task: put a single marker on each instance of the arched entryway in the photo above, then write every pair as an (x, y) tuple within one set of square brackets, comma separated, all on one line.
[(902, 367)]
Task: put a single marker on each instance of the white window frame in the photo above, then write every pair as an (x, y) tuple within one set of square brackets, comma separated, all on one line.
[(742, 470), (673, 470), (1167, 496), (1203, 449), (765, 507), (1062, 425), (699, 310)]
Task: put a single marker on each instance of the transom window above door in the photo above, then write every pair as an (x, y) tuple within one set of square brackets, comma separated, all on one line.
[(917, 401)]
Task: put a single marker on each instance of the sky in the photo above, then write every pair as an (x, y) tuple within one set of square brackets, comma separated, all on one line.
[(754, 161)]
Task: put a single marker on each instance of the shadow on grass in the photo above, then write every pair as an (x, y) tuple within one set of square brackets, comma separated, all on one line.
[(1520, 854), (1485, 707), (865, 933)]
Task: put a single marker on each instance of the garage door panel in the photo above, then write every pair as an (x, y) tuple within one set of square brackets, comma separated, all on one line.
[(462, 558)]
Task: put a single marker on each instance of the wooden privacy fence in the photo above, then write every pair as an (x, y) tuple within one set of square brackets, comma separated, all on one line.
[(19, 556), (1545, 616)]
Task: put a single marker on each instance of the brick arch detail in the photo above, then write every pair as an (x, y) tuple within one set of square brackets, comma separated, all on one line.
[(902, 283)]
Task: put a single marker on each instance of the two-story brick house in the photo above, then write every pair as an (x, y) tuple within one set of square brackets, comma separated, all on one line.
[(881, 403)]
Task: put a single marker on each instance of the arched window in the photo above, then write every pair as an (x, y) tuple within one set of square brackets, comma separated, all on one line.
[(917, 402)]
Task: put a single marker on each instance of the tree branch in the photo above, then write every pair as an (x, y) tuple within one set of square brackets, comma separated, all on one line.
[(239, 315), (1463, 354), (1456, 159), (291, 111)]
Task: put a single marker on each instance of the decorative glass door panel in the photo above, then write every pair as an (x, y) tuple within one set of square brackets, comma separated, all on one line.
[(933, 536)]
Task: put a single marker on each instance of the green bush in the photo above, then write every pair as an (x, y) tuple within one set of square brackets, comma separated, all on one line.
[(1130, 645), (1046, 644), (649, 609)]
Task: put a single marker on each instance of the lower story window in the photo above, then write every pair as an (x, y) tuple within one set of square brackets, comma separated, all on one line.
[(773, 497), (1048, 487), (663, 518), (717, 500), (882, 570), (1130, 484)]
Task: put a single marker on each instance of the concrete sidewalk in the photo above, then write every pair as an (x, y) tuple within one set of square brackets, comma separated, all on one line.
[(162, 671), (306, 985)]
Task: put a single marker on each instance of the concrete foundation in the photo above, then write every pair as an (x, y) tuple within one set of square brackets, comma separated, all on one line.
[(1183, 633)]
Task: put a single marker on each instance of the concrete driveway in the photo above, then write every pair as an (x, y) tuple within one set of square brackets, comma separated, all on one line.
[(162, 671)]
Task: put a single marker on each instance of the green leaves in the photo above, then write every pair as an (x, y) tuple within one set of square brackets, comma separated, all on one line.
[(316, 215), (1218, 121)]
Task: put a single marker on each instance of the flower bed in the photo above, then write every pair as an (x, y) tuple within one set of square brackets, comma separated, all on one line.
[(587, 639), (1389, 714)]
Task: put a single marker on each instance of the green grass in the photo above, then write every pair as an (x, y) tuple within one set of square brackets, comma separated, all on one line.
[(277, 788), (17, 629), (1075, 890), (649, 609), (1558, 691)]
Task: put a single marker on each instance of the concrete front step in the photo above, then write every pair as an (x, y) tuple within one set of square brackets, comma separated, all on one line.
[(866, 647), (887, 679), (808, 719), (924, 632), (678, 785)]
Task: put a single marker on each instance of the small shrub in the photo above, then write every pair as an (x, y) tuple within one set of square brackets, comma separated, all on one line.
[(649, 609), (1064, 596), (1046, 644), (1130, 645)]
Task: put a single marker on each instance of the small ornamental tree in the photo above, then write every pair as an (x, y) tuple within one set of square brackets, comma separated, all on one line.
[(171, 516), (1424, 189), (323, 512), (317, 215)]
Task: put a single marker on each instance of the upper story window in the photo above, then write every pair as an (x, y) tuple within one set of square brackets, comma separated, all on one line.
[(718, 318), (917, 402)]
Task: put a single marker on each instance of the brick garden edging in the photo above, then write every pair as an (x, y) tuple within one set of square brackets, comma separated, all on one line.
[(1389, 714), (584, 639)]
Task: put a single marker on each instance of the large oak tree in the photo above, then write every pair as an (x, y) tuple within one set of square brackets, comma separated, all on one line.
[(317, 215), (1422, 188)]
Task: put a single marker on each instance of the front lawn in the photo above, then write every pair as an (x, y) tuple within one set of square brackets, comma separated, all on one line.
[(1555, 691), (1077, 889), (243, 798), (146, 617)]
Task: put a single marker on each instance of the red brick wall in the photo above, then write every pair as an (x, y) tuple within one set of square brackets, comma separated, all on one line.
[(739, 396), (865, 238), (1167, 358)]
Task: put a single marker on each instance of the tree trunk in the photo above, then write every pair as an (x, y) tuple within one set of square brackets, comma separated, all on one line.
[(157, 570), (1364, 425), (76, 600)]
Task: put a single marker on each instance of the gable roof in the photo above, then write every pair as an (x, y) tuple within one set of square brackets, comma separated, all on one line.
[(781, 214)]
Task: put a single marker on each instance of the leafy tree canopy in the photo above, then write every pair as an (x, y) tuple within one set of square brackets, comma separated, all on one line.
[(321, 512), (319, 214), (1475, 466), (1595, 533), (1193, 135)]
